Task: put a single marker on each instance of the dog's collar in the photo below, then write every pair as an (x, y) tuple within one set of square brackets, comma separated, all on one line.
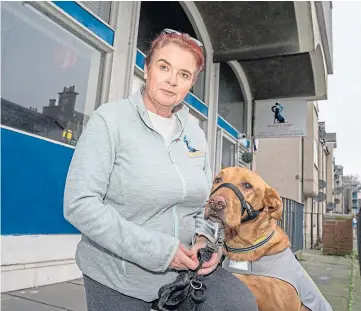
[(260, 242)]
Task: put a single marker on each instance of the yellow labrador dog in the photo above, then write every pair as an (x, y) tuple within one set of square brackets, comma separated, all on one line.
[(257, 250)]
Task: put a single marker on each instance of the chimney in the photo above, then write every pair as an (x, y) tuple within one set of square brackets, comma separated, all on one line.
[(52, 102)]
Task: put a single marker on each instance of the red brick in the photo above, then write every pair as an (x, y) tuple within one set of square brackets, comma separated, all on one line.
[(337, 236)]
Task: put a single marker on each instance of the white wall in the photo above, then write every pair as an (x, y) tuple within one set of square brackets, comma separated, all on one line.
[(35, 260), (279, 164)]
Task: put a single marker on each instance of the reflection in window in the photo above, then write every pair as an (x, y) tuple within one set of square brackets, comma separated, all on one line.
[(228, 153), (230, 98), (50, 77)]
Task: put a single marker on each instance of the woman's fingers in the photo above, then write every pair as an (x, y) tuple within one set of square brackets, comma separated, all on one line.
[(186, 251), (188, 262), (211, 262)]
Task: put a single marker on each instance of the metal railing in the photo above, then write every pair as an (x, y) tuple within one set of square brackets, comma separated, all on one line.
[(358, 237), (292, 222)]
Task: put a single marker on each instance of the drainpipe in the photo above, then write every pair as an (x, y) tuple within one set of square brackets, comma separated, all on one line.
[(302, 194), (253, 118), (312, 221)]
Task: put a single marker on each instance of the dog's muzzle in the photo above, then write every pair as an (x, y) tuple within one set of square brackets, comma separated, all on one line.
[(220, 203)]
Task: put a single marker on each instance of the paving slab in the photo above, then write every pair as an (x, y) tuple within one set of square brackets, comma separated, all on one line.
[(12, 303), (78, 282), (68, 296), (332, 276), (357, 287)]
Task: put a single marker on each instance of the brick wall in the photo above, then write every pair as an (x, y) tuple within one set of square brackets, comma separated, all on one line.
[(337, 234)]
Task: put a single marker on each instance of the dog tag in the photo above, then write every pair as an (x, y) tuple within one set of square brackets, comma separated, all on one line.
[(239, 265)]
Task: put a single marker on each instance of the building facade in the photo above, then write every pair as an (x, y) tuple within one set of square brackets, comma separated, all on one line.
[(304, 170), (62, 59), (352, 199), (339, 191)]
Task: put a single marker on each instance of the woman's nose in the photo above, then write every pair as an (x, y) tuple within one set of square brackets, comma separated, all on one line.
[(172, 80)]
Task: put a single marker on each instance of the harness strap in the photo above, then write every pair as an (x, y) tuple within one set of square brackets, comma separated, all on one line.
[(249, 248)]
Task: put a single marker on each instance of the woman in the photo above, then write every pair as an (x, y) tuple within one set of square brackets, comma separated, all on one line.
[(136, 186)]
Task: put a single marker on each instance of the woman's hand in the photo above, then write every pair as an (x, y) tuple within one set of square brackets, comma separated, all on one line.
[(184, 259), (210, 265)]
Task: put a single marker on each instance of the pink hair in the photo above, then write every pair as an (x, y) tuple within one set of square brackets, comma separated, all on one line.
[(184, 41)]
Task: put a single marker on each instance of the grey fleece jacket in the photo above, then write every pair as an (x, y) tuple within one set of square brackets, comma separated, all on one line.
[(134, 198)]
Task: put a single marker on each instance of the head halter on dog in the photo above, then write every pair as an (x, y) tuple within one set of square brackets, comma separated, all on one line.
[(245, 206), (252, 214)]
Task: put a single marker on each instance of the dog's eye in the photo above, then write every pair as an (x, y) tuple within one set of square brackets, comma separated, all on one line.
[(247, 186), (218, 180)]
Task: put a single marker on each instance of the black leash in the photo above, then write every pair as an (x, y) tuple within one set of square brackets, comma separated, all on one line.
[(188, 283)]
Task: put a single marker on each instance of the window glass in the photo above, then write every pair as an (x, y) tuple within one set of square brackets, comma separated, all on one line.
[(50, 78), (99, 8), (230, 98), (228, 153)]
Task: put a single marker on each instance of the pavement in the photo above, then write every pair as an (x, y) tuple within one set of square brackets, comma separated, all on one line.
[(333, 275)]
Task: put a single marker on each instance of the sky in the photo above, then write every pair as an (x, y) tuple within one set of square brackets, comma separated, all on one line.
[(342, 110)]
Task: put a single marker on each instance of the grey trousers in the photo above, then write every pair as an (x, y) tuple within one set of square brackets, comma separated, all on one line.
[(224, 293)]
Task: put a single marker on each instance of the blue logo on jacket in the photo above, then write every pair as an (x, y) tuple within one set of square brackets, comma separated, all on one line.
[(188, 144), (193, 152)]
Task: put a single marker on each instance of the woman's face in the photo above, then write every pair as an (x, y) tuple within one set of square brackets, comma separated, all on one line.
[(170, 75)]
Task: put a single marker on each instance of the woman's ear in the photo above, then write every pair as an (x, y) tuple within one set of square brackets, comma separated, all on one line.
[(274, 203)]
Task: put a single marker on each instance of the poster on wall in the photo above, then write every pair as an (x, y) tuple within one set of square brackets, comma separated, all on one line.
[(280, 118)]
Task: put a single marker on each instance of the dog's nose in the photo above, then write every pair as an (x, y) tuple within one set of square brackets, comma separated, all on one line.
[(217, 202)]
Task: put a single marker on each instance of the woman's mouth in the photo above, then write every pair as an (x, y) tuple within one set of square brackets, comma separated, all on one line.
[(168, 93)]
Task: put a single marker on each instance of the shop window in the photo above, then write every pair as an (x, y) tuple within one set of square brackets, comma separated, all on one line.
[(99, 8), (228, 153), (230, 98), (50, 78)]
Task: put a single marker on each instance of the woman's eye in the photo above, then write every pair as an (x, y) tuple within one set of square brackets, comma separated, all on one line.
[(163, 68), (247, 186), (184, 75), (218, 180)]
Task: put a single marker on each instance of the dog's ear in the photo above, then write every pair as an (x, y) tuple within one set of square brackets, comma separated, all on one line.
[(274, 203)]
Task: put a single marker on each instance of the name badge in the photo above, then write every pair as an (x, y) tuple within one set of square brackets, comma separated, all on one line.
[(239, 265)]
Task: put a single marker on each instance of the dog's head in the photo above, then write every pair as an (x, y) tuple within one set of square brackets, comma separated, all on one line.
[(224, 205)]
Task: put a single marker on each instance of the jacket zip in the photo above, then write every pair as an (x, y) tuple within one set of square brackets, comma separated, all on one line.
[(174, 208), (184, 186)]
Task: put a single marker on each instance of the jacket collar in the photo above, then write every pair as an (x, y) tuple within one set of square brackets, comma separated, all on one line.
[(182, 113)]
